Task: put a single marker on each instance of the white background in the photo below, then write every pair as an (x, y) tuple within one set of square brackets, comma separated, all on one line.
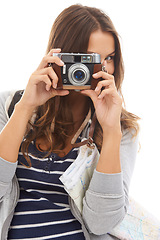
[(24, 32)]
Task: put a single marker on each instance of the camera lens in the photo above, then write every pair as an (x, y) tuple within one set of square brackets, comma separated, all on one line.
[(79, 75)]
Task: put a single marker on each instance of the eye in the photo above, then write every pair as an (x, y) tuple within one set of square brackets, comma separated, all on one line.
[(109, 58)]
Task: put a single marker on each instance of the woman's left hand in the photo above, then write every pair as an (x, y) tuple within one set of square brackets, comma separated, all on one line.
[(107, 102)]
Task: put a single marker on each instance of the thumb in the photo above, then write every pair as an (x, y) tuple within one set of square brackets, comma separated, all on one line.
[(90, 93), (61, 92)]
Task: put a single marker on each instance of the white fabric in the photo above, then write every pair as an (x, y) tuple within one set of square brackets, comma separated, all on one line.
[(77, 177)]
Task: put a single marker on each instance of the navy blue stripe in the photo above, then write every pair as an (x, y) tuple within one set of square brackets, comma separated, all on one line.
[(36, 206), (43, 187), (41, 218), (45, 231)]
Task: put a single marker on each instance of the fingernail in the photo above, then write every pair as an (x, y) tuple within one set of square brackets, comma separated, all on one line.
[(55, 85), (97, 89), (95, 74), (61, 62)]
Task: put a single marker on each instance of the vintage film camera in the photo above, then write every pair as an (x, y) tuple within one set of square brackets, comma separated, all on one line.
[(77, 70)]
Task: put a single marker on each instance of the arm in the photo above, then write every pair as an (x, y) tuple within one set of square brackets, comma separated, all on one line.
[(108, 107), (39, 89), (12, 134), (106, 200), (7, 169), (10, 140), (111, 149)]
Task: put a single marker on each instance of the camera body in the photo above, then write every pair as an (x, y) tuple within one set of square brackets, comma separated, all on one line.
[(77, 70)]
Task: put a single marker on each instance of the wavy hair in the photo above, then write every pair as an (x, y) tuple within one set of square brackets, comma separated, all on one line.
[(71, 32)]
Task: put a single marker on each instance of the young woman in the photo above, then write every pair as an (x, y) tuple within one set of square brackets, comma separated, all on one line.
[(35, 143)]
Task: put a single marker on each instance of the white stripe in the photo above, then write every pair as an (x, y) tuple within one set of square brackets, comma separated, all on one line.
[(45, 191), (41, 211), (52, 236), (62, 205), (34, 157), (45, 183), (62, 161), (40, 170), (32, 200), (52, 159), (42, 224), (43, 199), (75, 149)]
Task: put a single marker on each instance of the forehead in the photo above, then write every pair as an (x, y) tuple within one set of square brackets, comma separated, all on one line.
[(101, 42)]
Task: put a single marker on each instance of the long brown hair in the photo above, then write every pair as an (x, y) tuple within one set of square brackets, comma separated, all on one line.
[(71, 32)]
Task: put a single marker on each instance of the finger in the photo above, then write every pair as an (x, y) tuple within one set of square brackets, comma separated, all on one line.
[(51, 73), (61, 92), (50, 59), (109, 91), (54, 50), (104, 83), (90, 93), (102, 74), (42, 78), (54, 92)]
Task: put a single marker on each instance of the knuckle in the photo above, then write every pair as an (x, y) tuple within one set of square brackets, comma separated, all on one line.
[(51, 51), (111, 80), (45, 59), (32, 77), (99, 84), (46, 78), (34, 73), (43, 78), (102, 73)]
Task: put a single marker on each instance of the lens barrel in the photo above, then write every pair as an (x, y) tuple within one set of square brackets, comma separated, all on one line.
[(78, 74)]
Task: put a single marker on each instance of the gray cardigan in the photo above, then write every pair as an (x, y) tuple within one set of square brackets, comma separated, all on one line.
[(105, 202)]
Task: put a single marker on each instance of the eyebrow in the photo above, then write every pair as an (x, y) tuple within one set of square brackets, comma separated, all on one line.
[(112, 53), (107, 55)]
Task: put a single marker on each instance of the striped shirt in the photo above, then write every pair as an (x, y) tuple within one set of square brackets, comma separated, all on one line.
[(43, 211)]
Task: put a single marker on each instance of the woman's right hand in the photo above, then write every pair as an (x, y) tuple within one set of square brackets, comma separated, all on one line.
[(42, 83)]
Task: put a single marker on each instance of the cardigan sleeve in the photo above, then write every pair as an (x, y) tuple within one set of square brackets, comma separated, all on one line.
[(4, 96), (106, 200), (7, 169)]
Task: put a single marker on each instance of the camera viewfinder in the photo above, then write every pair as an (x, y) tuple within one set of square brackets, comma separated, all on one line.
[(86, 59)]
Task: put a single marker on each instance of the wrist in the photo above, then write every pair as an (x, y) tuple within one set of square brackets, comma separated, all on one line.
[(27, 111), (114, 132), (109, 161), (112, 140)]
